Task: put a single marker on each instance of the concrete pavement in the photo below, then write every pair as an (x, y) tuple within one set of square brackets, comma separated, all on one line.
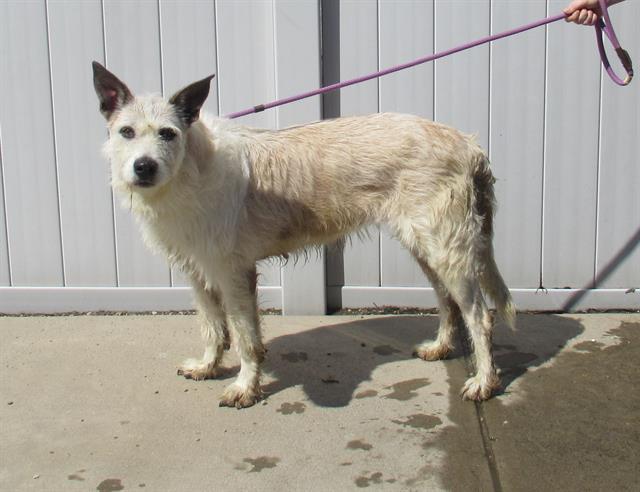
[(94, 403)]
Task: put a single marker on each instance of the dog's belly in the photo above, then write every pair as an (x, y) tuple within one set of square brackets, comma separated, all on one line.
[(284, 248)]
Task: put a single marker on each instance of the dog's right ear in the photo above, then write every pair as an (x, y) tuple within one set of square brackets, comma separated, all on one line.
[(112, 92)]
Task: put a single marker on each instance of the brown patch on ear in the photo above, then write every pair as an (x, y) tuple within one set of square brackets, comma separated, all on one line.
[(189, 100), (111, 91)]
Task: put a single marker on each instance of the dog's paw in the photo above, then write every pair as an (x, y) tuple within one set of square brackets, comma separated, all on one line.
[(480, 389), (236, 396), (197, 370), (432, 351)]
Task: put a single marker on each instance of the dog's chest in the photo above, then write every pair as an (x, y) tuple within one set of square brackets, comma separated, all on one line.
[(186, 242)]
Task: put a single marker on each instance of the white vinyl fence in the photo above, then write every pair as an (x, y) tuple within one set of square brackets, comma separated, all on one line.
[(563, 140)]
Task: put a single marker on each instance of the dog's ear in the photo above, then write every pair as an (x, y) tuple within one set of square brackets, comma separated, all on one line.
[(112, 92), (189, 100)]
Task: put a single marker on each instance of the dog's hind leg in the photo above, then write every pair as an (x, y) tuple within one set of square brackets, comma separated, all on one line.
[(449, 320), (465, 291), (242, 311), (451, 262), (214, 332)]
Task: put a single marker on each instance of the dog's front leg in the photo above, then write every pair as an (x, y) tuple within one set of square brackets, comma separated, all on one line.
[(214, 333), (242, 311)]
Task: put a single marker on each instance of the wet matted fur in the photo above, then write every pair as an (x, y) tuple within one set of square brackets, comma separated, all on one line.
[(216, 197)]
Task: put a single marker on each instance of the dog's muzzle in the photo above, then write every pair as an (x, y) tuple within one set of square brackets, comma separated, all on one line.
[(145, 170)]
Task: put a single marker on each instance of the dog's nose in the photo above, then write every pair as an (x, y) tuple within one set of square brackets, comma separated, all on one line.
[(145, 168)]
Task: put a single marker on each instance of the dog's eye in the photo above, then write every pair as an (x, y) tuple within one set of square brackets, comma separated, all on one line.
[(127, 132), (167, 134)]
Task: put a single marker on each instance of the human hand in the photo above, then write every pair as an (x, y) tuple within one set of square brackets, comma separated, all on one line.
[(585, 12)]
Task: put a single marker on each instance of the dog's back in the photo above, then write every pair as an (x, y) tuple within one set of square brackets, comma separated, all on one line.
[(316, 182)]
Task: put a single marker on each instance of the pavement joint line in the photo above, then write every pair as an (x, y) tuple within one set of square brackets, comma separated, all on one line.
[(482, 421), (488, 448)]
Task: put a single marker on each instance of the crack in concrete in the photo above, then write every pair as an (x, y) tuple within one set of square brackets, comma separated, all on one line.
[(482, 421)]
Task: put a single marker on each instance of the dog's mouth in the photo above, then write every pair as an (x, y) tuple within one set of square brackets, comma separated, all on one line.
[(144, 183)]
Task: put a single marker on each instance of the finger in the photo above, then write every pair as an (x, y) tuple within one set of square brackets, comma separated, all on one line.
[(573, 17), (583, 16), (593, 18)]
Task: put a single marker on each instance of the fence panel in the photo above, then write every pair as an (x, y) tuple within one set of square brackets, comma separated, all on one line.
[(297, 46), (406, 33), (28, 151), (5, 273), (246, 51), (562, 138), (133, 53), (618, 243), (571, 156), (359, 55), (86, 205), (188, 44), (516, 141)]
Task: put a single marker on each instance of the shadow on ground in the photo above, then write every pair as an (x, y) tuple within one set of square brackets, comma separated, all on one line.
[(317, 361), (577, 420), (323, 363), (571, 425), (537, 340)]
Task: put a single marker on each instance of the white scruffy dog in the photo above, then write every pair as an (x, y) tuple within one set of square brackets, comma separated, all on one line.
[(216, 197)]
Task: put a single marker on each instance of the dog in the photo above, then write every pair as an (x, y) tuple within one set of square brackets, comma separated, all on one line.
[(216, 197)]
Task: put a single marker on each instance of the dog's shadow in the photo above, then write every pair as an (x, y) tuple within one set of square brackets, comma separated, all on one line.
[(331, 362), (537, 340)]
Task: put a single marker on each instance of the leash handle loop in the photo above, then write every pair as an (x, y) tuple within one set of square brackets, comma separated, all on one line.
[(604, 24)]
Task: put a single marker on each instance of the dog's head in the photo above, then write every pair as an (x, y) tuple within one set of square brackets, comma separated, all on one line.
[(147, 134)]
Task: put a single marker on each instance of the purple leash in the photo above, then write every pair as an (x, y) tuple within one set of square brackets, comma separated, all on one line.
[(600, 27), (604, 24)]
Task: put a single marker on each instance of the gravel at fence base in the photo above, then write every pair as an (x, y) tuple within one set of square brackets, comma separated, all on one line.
[(366, 311)]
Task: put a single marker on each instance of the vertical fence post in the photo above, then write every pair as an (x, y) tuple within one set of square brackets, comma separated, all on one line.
[(298, 59)]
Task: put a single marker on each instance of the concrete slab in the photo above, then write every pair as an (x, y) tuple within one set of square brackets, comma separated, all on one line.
[(93, 403), (570, 415)]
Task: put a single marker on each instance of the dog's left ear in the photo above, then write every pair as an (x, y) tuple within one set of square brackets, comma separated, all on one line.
[(189, 100)]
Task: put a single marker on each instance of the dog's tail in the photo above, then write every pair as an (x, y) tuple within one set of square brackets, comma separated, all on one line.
[(490, 279), (495, 287)]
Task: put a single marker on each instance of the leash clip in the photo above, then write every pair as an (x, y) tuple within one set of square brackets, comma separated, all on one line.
[(604, 24)]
